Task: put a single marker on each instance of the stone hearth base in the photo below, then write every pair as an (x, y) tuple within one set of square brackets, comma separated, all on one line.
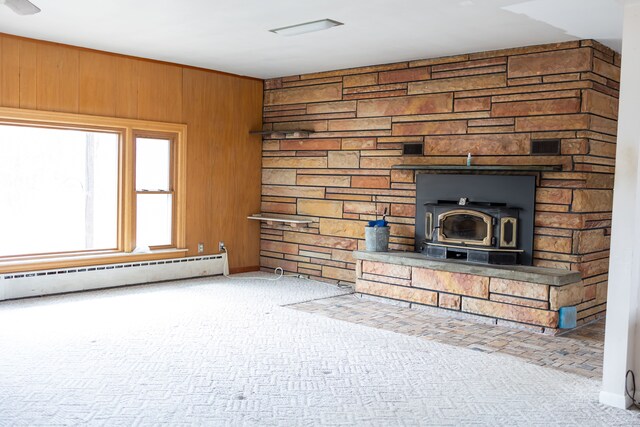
[(521, 296)]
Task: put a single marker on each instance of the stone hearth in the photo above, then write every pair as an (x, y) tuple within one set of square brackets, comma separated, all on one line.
[(522, 296)]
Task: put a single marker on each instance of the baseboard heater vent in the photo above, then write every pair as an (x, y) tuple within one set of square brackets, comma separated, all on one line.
[(47, 282)]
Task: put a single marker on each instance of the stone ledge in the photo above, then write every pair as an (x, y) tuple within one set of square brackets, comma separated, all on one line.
[(524, 273)]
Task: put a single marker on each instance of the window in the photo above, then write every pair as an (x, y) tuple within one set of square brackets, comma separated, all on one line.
[(154, 192), (84, 185), (59, 190)]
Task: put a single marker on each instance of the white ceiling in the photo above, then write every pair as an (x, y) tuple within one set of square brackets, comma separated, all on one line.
[(233, 36)]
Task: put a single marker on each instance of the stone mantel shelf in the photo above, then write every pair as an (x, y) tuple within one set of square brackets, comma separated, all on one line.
[(524, 273), (496, 168)]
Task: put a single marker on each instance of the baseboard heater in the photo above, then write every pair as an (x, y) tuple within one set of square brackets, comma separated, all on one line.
[(47, 282)]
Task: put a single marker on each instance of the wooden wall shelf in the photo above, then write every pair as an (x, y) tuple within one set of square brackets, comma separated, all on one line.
[(294, 133), (292, 220)]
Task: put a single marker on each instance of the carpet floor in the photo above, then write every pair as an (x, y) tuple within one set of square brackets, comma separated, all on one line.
[(216, 351)]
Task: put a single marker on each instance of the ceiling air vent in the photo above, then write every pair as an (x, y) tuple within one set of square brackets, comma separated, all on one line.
[(545, 147), (412, 149)]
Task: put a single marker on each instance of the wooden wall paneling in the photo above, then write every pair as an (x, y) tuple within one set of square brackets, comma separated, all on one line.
[(57, 78), (1, 69), (28, 68), (230, 179), (196, 101), (223, 160), (97, 83), (236, 171), (9, 72), (223, 170), (159, 92), (126, 90), (248, 159)]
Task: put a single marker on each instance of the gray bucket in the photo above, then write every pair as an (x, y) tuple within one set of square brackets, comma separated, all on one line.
[(377, 239)]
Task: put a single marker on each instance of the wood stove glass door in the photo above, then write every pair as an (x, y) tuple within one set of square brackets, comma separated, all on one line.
[(465, 226)]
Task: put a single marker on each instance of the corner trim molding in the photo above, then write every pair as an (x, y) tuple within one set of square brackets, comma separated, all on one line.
[(614, 399)]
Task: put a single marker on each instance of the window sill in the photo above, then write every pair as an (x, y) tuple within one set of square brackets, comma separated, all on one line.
[(22, 265)]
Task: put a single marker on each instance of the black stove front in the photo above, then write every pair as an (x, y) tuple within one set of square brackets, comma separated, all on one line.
[(476, 218)]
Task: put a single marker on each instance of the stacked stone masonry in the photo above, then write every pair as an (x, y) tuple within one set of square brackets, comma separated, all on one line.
[(506, 301), (489, 104)]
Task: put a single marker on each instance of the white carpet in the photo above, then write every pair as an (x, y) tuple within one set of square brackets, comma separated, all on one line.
[(224, 352)]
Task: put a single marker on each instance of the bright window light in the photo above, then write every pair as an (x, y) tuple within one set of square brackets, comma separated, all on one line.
[(154, 201), (59, 190)]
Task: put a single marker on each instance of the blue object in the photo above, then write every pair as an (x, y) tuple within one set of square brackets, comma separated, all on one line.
[(567, 317), (378, 223)]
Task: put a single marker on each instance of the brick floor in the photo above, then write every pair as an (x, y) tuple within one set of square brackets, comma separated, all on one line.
[(579, 351)]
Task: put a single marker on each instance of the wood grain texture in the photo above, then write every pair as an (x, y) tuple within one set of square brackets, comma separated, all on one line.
[(159, 92), (239, 270), (127, 87), (97, 84), (199, 179), (28, 77), (222, 159), (224, 166), (57, 79), (9, 72)]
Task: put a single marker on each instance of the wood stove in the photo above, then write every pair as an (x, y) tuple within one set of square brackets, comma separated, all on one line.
[(483, 219), (476, 231)]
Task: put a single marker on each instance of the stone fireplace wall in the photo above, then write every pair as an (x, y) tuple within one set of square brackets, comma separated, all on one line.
[(491, 104)]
